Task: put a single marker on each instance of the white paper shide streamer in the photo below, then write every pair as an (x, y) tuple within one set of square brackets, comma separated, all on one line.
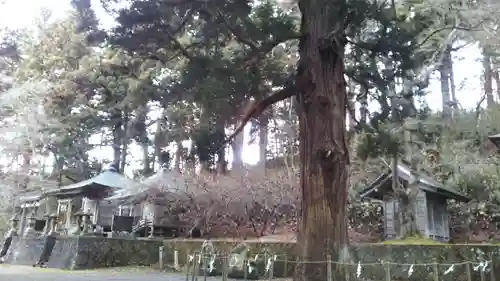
[(481, 266), (410, 271), (358, 270), (449, 270)]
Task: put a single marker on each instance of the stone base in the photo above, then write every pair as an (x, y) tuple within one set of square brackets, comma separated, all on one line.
[(82, 252)]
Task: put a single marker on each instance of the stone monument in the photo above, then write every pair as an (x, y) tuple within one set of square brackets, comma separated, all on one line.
[(14, 221), (30, 229), (207, 259)]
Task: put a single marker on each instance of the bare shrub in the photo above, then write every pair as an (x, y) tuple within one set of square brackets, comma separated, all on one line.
[(251, 205)]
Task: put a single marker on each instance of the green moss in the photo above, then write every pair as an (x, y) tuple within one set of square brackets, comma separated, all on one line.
[(413, 241)]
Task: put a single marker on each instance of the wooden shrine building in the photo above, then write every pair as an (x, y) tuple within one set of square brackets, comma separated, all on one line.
[(431, 212)]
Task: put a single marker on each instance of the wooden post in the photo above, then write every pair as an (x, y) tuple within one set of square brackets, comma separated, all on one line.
[(225, 267), (492, 271), (245, 268), (196, 266), (205, 266), (68, 214), (97, 212), (468, 272), (387, 270), (160, 258), (329, 274), (22, 224), (436, 270), (285, 266), (188, 266), (271, 270), (176, 260)]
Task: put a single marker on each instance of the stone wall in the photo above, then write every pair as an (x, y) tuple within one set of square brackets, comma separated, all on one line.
[(93, 252), (374, 259), (85, 252), (96, 252)]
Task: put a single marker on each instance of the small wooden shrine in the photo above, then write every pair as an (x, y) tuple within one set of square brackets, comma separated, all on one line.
[(148, 204), (431, 207), (89, 198), (495, 139)]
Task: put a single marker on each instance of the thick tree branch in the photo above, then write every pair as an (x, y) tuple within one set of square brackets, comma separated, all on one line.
[(429, 36), (255, 108)]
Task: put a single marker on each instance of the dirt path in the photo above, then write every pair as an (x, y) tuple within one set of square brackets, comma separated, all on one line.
[(25, 273)]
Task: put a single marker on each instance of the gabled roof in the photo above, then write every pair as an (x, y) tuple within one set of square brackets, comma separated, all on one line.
[(30, 196), (105, 180), (162, 182), (495, 139), (426, 183)]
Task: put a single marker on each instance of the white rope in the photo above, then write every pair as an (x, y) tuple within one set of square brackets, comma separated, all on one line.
[(476, 264)]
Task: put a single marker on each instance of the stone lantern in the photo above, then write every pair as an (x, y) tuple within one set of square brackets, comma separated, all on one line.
[(87, 223), (14, 223), (52, 224), (30, 230), (76, 230)]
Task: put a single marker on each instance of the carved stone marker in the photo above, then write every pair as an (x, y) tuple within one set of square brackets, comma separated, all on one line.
[(239, 264), (207, 259), (76, 229), (30, 230)]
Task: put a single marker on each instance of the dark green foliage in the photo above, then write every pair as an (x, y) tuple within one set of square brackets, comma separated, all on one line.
[(206, 142), (372, 145)]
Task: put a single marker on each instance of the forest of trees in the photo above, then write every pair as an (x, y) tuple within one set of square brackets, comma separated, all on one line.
[(303, 74)]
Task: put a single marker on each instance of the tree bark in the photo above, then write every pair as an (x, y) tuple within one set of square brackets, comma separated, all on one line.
[(408, 196), (496, 76), (323, 150), (117, 140), (124, 139), (140, 133), (263, 122), (146, 165), (221, 153), (351, 94), (237, 147), (178, 156), (488, 79), (159, 139), (453, 86), (363, 110), (445, 85)]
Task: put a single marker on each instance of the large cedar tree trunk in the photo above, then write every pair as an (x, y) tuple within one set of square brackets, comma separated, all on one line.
[(323, 151), (263, 123), (488, 79), (237, 147), (125, 140), (117, 140), (221, 153), (408, 195), (178, 156), (444, 70)]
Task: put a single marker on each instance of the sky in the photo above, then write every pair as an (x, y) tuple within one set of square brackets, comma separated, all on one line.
[(467, 66)]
